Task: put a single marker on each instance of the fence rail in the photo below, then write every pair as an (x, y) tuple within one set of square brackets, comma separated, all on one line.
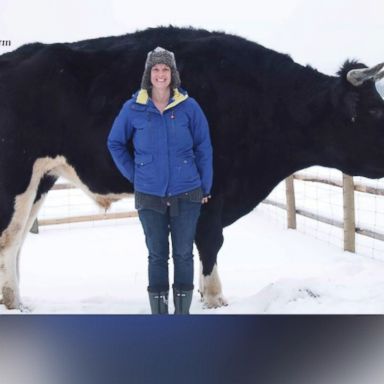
[(348, 223), (85, 218), (357, 186), (79, 219)]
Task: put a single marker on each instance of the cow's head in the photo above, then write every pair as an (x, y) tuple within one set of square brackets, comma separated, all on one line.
[(357, 140)]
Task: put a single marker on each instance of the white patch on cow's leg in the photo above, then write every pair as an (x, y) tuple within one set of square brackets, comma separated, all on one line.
[(210, 289), (32, 216), (10, 246), (8, 277)]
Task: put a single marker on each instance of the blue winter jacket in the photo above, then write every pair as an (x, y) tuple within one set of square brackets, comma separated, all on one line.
[(172, 151)]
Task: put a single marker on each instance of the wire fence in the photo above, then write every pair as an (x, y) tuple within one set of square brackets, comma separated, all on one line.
[(320, 202), (327, 208)]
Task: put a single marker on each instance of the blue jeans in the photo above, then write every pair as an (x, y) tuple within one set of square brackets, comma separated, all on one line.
[(182, 228)]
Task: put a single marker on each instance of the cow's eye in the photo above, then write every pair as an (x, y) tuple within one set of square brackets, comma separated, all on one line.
[(376, 112)]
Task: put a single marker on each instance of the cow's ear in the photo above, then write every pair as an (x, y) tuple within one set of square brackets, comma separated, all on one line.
[(349, 105), (346, 95), (345, 100)]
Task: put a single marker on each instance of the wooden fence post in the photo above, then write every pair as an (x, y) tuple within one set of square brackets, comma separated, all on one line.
[(349, 213), (291, 205)]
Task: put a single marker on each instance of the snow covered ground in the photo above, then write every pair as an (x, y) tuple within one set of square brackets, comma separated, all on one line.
[(100, 267)]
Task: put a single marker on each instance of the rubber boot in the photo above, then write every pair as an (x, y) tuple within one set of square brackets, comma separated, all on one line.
[(182, 300), (158, 302)]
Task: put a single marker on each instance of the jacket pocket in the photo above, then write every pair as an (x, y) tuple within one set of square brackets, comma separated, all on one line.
[(144, 170), (187, 170), (143, 159)]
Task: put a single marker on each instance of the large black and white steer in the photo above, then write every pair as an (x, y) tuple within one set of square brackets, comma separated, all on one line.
[(268, 115)]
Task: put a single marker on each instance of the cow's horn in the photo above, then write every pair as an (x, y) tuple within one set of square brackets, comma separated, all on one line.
[(379, 76), (357, 76)]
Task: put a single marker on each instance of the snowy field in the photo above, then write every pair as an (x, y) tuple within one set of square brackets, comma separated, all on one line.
[(100, 267)]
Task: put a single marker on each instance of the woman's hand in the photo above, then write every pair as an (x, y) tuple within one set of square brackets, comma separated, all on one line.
[(204, 200)]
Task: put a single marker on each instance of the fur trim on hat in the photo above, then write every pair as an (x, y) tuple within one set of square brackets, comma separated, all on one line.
[(160, 56)]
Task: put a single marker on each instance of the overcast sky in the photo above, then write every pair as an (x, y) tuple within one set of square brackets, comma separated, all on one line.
[(321, 33)]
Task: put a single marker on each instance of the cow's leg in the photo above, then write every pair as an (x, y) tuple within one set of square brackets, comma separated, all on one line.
[(209, 239), (25, 208), (45, 185), (10, 249), (10, 243)]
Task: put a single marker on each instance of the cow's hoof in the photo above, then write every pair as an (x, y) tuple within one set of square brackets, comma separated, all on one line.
[(10, 299), (214, 301)]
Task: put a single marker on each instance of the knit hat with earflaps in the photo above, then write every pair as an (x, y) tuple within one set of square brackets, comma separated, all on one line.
[(160, 56)]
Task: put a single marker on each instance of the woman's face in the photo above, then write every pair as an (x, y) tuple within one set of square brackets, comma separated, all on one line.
[(160, 76)]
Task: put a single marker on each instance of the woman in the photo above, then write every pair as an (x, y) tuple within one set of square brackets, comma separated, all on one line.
[(171, 171)]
